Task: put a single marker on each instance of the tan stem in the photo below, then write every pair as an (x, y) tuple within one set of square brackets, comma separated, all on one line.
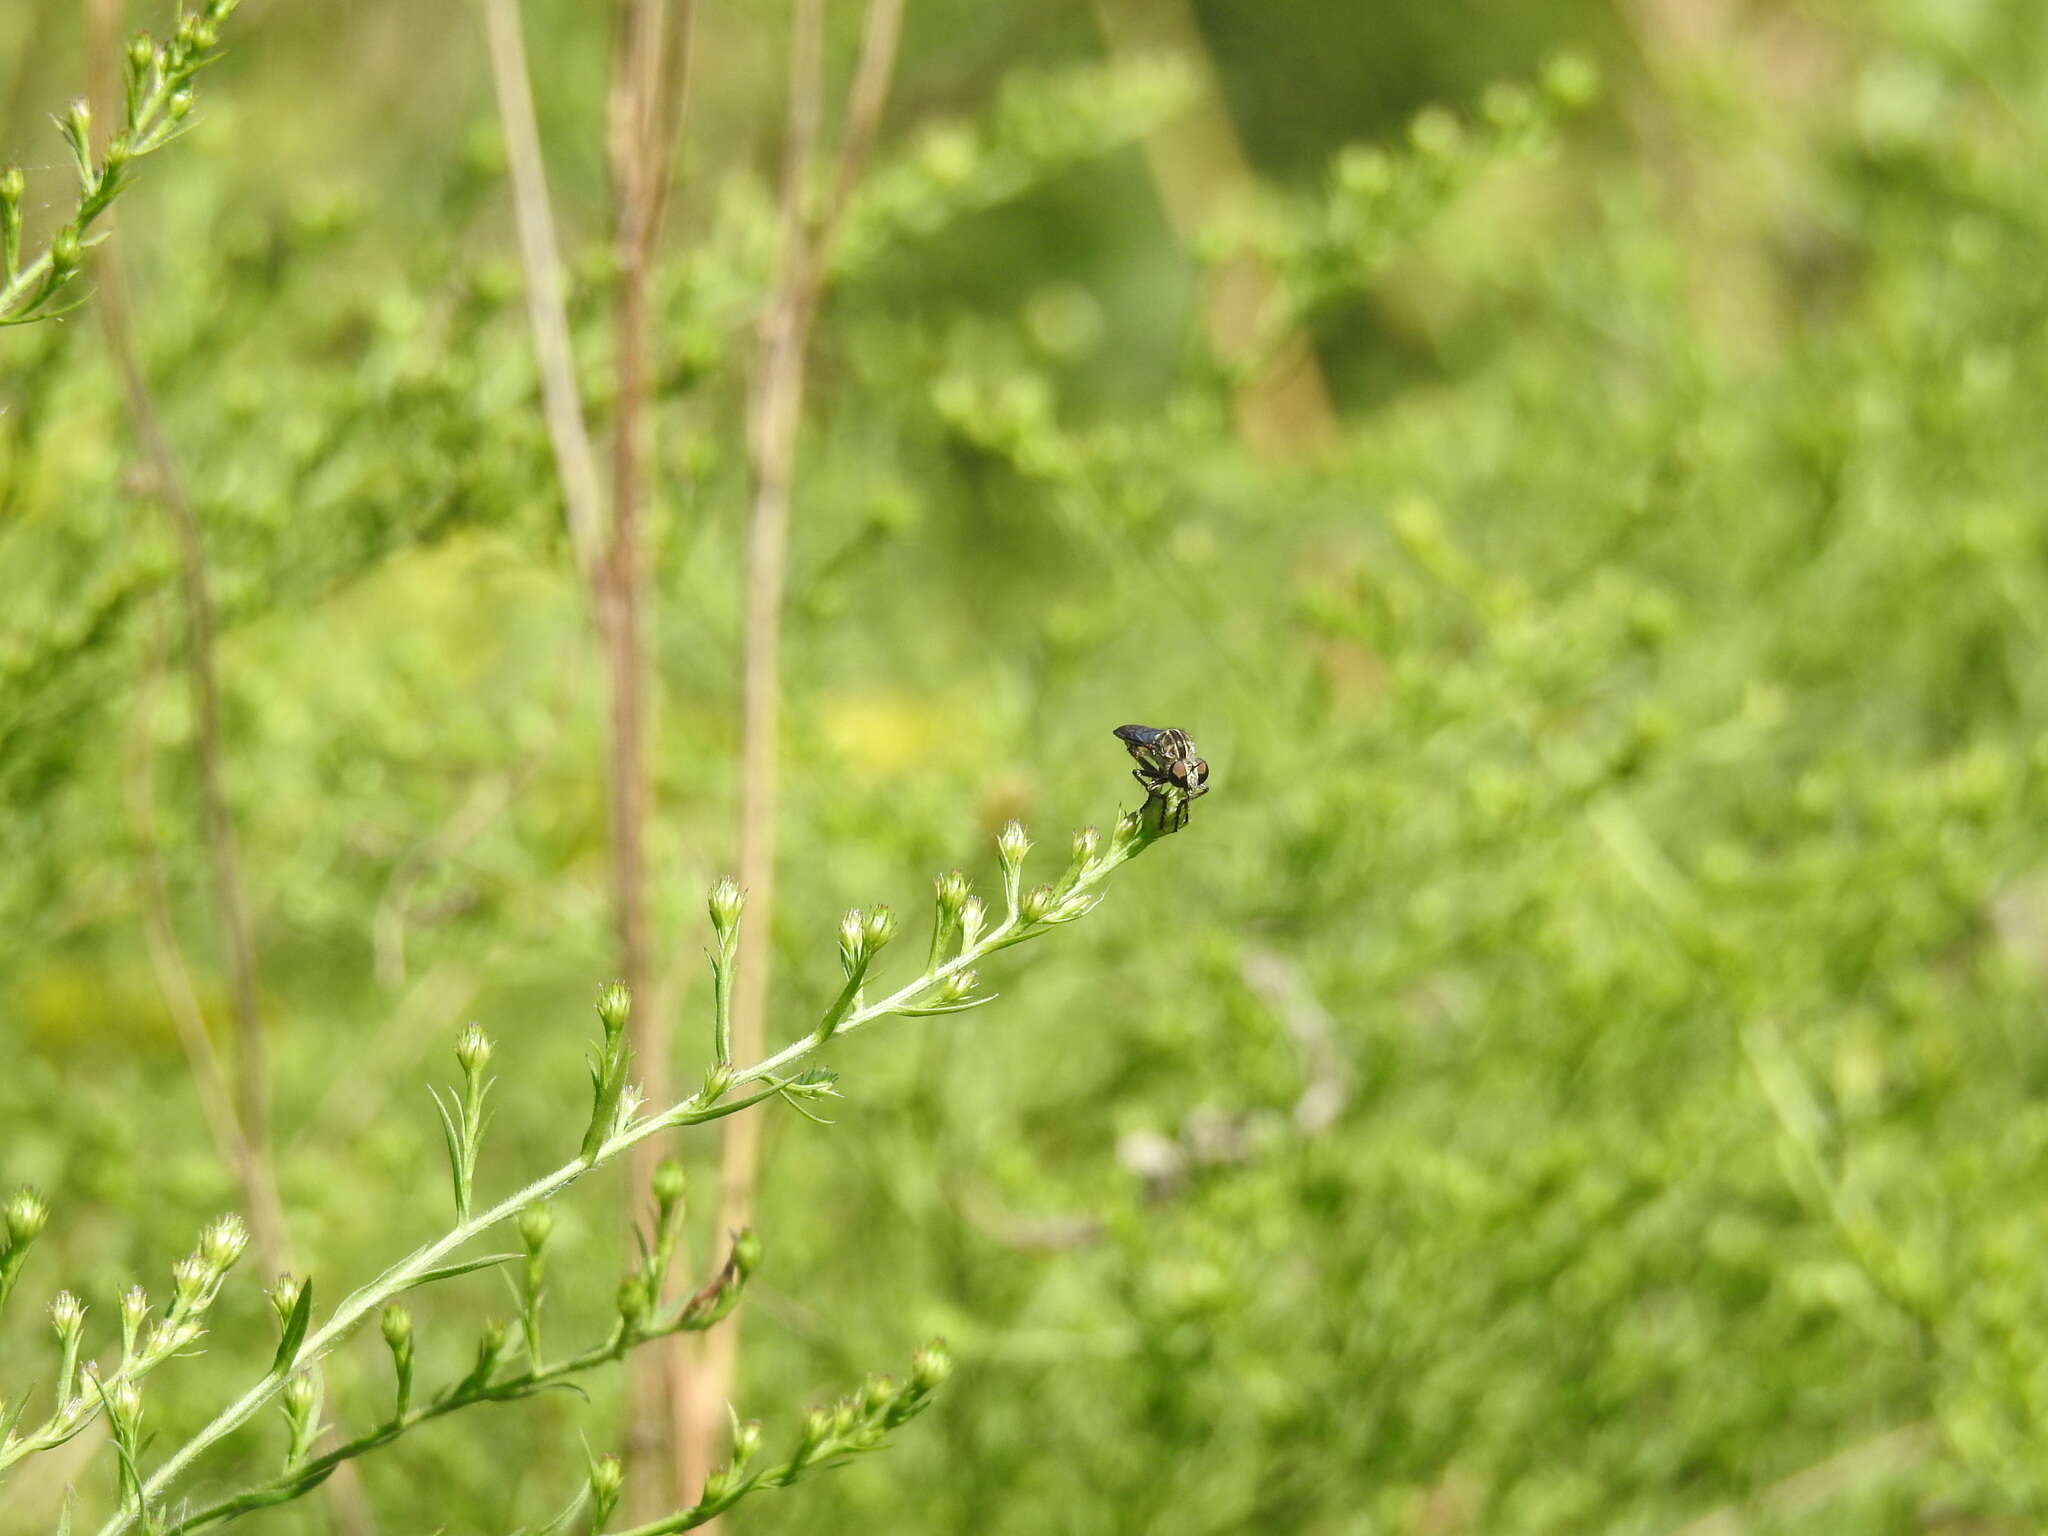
[(540, 258), (643, 110), (775, 414)]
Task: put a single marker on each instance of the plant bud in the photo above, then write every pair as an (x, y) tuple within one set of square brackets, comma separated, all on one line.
[(284, 1296), (957, 986), (472, 1050), (397, 1325), (716, 1081), (1087, 843), (879, 928), (726, 902), (746, 1443), (180, 104), (633, 1301), (952, 891), (1572, 81), (614, 1007), (299, 1395), (1012, 845), (134, 1308), (817, 1427), (124, 1402), (876, 1393), (973, 918), (669, 1182), (204, 36), (189, 1277), (67, 1316), (930, 1366), (141, 54), (1037, 902), (223, 1242), (490, 1343), (536, 1223), (853, 940), (607, 1477), (27, 1212), (746, 1252), (78, 121), (631, 1097), (65, 250)]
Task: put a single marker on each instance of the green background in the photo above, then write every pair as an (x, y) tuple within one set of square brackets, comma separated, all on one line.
[(1630, 747)]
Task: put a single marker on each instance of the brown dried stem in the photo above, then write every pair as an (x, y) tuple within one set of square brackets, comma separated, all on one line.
[(540, 259), (775, 412), (643, 113)]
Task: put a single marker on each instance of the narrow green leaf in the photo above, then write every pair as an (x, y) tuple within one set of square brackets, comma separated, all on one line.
[(450, 1271), (294, 1331)]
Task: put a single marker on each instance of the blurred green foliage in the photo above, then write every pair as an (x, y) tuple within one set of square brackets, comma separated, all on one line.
[(1578, 1071)]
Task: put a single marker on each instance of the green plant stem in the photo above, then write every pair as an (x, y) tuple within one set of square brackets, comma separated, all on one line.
[(1145, 828), (150, 127), (302, 1478)]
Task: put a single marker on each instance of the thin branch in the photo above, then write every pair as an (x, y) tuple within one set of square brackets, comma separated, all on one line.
[(643, 111), (775, 411), (1135, 833), (540, 257)]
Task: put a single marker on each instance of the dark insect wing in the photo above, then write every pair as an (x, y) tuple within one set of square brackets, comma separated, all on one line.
[(1138, 735)]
